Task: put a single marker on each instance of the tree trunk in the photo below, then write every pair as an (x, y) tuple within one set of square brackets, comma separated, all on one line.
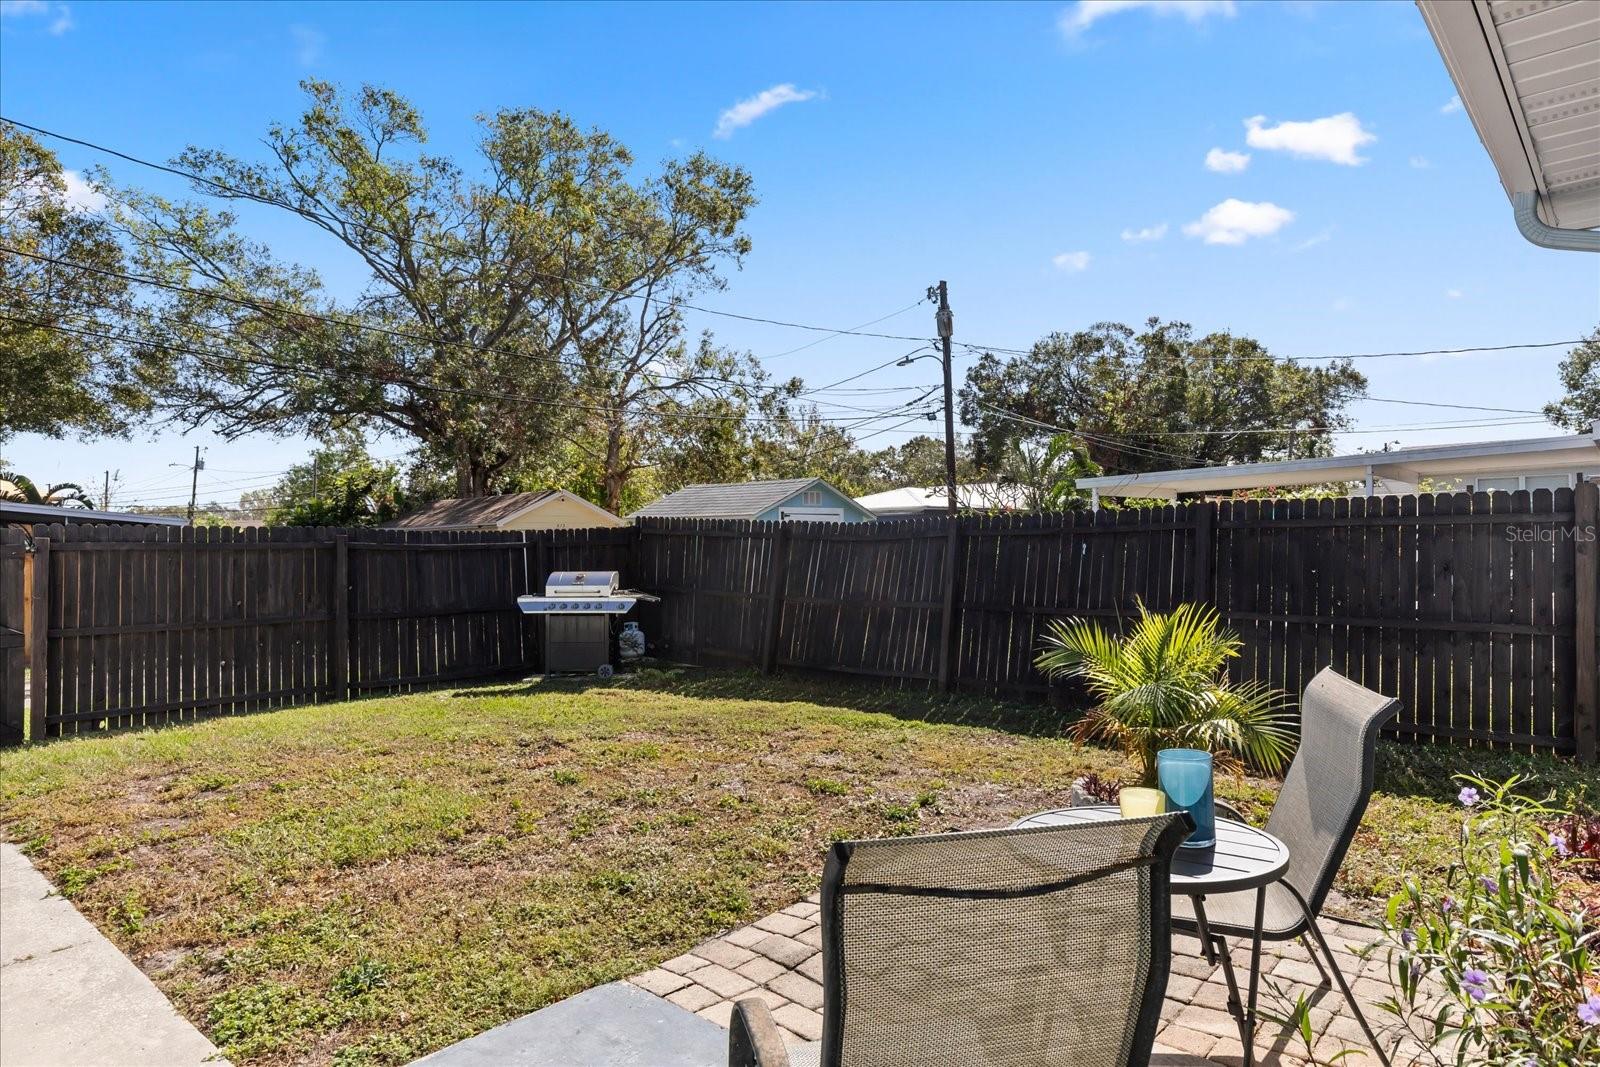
[(472, 478), (613, 477)]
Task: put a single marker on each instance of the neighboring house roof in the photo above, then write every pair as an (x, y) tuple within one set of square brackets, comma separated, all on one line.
[(14, 512), (1528, 72), (730, 500), (1407, 465), (484, 512), (918, 499)]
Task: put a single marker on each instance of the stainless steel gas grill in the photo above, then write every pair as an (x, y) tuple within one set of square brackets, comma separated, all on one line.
[(578, 606)]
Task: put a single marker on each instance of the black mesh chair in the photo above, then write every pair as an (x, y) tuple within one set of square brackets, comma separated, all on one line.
[(1324, 795), (999, 948)]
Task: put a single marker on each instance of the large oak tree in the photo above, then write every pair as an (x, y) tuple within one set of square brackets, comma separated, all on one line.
[(518, 308), (1156, 398)]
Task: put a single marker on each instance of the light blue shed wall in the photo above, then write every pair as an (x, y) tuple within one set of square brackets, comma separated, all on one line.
[(853, 512)]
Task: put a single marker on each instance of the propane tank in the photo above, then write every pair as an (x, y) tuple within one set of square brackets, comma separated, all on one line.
[(630, 642)]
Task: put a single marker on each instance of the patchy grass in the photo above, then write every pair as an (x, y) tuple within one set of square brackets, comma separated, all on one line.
[(362, 883)]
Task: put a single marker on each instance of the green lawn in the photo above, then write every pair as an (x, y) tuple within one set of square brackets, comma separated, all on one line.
[(365, 882)]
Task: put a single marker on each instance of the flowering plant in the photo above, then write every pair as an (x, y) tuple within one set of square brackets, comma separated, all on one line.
[(1490, 967)]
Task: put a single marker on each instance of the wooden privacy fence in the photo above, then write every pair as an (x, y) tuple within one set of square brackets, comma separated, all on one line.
[(138, 625), (1478, 610)]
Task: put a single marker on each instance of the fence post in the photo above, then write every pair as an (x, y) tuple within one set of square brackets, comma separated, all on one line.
[(39, 625), (775, 573), (341, 616), (1205, 522), (949, 631), (1586, 702)]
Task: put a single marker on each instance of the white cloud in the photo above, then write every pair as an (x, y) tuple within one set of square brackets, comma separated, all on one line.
[(1451, 106), (60, 15), (1147, 233), (1321, 237), (751, 108), (1224, 162), (1419, 163), (81, 196), (1085, 13), (309, 44), (1452, 294), (1233, 222), (1072, 262), (1335, 138)]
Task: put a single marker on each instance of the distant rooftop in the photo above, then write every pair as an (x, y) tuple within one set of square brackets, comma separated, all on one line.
[(33, 514), (729, 500), (978, 496), (470, 513), (1400, 465)]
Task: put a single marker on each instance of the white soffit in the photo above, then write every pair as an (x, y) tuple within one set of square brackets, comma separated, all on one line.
[(1528, 72)]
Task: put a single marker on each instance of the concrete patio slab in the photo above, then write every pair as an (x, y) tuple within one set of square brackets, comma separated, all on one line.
[(68, 997), (616, 1025)]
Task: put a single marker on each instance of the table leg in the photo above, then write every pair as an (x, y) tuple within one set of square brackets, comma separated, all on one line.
[(1255, 976), (1215, 946), (1205, 929)]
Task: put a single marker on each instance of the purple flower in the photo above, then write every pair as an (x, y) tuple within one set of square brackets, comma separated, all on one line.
[(1476, 984), (1468, 796), (1589, 1011), (1489, 884), (1559, 843), (1407, 937), (1447, 905)]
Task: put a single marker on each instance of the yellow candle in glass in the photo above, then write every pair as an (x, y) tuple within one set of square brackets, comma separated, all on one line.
[(1137, 803)]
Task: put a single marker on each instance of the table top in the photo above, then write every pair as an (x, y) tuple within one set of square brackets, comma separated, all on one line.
[(1242, 858)]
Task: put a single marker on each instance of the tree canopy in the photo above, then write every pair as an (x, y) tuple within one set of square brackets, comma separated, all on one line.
[(529, 306), (56, 376), (1156, 398), (1579, 408)]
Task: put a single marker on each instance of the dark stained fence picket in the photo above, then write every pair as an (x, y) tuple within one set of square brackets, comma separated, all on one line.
[(13, 636), (1477, 610)]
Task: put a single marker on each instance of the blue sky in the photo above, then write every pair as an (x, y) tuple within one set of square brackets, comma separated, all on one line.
[(1019, 151)]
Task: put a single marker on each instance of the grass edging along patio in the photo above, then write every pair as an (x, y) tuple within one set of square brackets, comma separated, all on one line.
[(364, 882)]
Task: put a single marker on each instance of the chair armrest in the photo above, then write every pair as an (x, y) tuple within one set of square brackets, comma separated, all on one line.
[(1230, 811), (753, 1038)]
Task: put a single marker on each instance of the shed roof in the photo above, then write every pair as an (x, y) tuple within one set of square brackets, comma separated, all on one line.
[(12, 511), (471, 513), (728, 500), (1579, 452)]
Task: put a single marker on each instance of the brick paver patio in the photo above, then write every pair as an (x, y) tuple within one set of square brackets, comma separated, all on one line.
[(779, 960)]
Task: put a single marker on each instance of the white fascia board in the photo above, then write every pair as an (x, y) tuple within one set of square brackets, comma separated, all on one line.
[(1436, 459)]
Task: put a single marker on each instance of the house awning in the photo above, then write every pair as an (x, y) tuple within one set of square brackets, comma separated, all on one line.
[(1528, 73), (1403, 465)]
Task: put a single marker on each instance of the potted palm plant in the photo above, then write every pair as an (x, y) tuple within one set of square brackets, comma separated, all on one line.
[(1165, 685)]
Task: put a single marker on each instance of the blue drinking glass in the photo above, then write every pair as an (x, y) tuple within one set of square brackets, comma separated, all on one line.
[(1185, 776)]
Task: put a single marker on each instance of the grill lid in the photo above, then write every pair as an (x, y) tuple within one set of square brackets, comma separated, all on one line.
[(581, 583)]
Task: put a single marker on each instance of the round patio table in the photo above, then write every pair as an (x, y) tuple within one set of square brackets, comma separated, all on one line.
[(1243, 858)]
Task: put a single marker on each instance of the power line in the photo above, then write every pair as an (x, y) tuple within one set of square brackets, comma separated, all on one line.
[(973, 347), (346, 374), (273, 306), (310, 213), (1296, 359)]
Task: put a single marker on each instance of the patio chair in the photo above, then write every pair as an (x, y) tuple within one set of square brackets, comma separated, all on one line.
[(1324, 795), (1040, 947)]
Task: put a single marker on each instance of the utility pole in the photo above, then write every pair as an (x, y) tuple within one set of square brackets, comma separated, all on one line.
[(105, 494), (194, 481), (946, 322)]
